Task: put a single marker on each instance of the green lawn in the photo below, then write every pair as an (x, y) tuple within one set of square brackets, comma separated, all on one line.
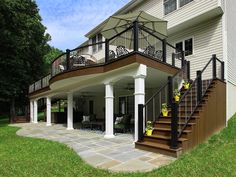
[(20, 156)]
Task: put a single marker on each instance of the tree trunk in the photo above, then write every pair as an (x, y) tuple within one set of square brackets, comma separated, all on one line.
[(12, 110)]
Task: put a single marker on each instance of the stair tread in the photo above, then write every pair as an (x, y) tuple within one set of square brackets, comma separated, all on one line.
[(165, 137), (168, 122), (158, 145), (169, 129)]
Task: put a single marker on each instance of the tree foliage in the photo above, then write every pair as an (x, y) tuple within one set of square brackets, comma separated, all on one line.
[(23, 43)]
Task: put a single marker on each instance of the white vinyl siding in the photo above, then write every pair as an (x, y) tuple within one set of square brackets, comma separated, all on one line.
[(231, 40), (207, 41)]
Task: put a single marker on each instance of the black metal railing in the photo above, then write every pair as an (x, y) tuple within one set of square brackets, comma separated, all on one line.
[(164, 95), (41, 83), (135, 38), (190, 100)]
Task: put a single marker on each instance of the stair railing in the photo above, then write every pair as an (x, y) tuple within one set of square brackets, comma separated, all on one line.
[(151, 110), (190, 100)]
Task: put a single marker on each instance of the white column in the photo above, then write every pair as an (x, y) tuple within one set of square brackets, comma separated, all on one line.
[(31, 111), (109, 101), (48, 111), (139, 95), (35, 111), (70, 111)]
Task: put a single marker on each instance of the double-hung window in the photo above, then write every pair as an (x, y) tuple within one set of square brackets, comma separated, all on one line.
[(96, 39), (172, 5), (186, 45)]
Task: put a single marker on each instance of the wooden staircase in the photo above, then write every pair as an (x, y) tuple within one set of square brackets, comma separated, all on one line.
[(159, 141)]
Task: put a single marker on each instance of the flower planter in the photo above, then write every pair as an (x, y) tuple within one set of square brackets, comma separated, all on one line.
[(165, 113), (186, 86), (177, 98), (149, 132)]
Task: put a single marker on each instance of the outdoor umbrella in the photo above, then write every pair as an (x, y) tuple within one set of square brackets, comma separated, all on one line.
[(117, 24)]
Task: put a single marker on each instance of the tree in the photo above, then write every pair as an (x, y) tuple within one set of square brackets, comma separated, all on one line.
[(50, 56), (23, 43)]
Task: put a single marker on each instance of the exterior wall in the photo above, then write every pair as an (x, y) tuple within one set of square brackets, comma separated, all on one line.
[(207, 40), (230, 48), (187, 12)]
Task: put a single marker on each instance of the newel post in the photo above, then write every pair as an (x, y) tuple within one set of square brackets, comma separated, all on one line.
[(170, 90), (214, 66), (199, 86), (174, 126), (140, 122)]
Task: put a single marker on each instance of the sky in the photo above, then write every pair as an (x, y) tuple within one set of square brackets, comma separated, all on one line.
[(67, 21)]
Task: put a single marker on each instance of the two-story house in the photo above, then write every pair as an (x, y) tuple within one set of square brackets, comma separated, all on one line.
[(135, 62)]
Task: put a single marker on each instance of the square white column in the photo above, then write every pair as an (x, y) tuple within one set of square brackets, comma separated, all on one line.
[(109, 101), (139, 95), (48, 102), (70, 111), (31, 111), (35, 111)]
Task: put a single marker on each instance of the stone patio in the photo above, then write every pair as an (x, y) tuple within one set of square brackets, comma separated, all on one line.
[(117, 154)]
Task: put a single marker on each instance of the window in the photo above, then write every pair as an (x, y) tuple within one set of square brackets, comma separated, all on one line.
[(99, 40), (172, 5), (94, 42), (183, 2), (96, 39), (186, 45)]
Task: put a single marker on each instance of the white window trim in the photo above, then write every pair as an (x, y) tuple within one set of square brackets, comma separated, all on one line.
[(183, 42), (177, 7)]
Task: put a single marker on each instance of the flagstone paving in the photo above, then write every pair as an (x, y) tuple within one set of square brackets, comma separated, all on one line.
[(117, 154)]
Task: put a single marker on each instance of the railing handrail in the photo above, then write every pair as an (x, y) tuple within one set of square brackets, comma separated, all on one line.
[(206, 65)]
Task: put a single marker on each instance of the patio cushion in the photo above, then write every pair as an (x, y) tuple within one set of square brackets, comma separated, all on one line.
[(86, 119), (118, 120)]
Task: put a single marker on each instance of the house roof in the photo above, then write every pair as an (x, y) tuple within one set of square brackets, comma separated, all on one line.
[(123, 10)]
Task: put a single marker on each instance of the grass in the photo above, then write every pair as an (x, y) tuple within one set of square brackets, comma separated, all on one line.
[(21, 156)]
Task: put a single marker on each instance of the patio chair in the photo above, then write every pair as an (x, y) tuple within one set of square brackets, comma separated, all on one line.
[(112, 54), (122, 123), (158, 54), (121, 50), (150, 50), (79, 61)]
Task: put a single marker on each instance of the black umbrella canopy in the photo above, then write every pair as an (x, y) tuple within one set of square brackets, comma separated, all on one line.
[(117, 24)]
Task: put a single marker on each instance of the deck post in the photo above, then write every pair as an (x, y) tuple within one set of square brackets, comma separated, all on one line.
[(214, 66), (31, 111), (174, 126), (35, 111), (48, 109), (67, 59), (109, 115), (199, 86), (188, 71), (136, 35), (182, 58), (140, 122), (173, 59), (222, 71), (164, 50), (70, 111), (106, 50)]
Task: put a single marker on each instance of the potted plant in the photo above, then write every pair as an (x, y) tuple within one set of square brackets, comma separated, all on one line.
[(149, 128), (164, 110), (186, 85), (176, 95)]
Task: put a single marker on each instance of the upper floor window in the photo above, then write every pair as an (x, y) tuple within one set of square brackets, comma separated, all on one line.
[(96, 39), (171, 5), (186, 45)]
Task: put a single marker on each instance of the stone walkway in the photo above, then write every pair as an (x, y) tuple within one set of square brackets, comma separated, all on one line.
[(117, 154)]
